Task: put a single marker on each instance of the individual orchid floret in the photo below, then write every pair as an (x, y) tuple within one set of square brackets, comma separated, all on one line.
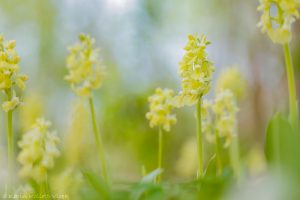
[(11, 104)]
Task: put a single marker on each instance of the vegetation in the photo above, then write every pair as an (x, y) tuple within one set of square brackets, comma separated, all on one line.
[(44, 164)]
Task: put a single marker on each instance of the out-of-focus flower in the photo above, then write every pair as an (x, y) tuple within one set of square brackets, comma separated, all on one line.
[(68, 183), (31, 109), (78, 127), (207, 120), (186, 165), (232, 79), (9, 72), (195, 70), (277, 18), (256, 161), (38, 151), (160, 109), (225, 110), (86, 71)]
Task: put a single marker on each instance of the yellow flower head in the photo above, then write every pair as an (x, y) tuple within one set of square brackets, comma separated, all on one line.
[(232, 80), (277, 18), (38, 151), (86, 71), (160, 109), (9, 72), (225, 110), (195, 70)]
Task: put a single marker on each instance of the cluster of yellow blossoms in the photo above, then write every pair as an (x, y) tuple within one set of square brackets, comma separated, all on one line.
[(161, 105), (195, 70), (230, 88), (277, 18), (220, 116), (38, 151), (9, 73), (196, 73), (225, 109), (86, 70)]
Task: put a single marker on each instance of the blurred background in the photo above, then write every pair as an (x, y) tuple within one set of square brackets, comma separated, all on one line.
[(141, 44)]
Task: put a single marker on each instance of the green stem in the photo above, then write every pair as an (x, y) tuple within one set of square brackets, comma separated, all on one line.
[(10, 144), (98, 141), (291, 84), (45, 189), (160, 151), (199, 139), (144, 171), (218, 154), (235, 157)]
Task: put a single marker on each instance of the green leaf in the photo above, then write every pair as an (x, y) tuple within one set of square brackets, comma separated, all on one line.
[(97, 187), (211, 166), (282, 145), (278, 131), (147, 191), (151, 176), (278, 138), (34, 185)]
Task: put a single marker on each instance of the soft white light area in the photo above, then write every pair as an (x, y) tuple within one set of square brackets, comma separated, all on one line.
[(120, 5), (268, 187)]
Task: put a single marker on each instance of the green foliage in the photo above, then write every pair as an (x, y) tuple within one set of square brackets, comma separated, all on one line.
[(208, 187), (151, 176), (97, 188), (149, 191), (282, 145), (137, 44)]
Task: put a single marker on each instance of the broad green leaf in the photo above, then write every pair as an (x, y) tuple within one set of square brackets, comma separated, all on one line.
[(151, 176), (278, 132), (98, 188), (282, 145), (211, 166), (147, 191)]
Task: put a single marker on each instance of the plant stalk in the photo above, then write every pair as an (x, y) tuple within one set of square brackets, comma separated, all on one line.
[(218, 154), (10, 144), (235, 157), (199, 139), (160, 151), (98, 140), (293, 117), (45, 189)]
